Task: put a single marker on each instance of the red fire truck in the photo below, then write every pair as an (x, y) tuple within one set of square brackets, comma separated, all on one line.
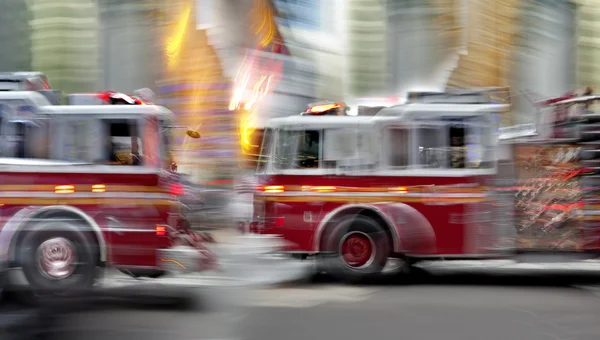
[(408, 183), (83, 187), (432, 179)]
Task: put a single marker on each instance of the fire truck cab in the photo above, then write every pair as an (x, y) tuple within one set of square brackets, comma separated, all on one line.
[(408, 183)]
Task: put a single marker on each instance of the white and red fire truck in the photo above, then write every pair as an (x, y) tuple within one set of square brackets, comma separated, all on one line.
[(84, 187), (415, 182), (409, 183)]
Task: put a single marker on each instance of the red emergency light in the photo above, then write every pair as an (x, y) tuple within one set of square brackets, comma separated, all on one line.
[(117, 98)]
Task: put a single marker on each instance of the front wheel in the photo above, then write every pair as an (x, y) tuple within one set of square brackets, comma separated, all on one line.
[(356, 249), (57, 258)]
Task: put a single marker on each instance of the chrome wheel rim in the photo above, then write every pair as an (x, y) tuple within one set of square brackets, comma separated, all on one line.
[(56, 258)]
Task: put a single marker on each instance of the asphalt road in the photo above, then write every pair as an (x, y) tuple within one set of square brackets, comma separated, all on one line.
[(425, 307)]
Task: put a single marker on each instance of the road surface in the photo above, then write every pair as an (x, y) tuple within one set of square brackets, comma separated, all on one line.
[(427, 307)]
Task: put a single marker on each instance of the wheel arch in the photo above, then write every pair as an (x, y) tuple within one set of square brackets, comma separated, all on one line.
[(12, 232), (367, 210)]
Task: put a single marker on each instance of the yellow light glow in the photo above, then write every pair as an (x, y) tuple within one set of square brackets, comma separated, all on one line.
[(175, 41), (246, 132), (98, 188), (64, 189), (266, 29)]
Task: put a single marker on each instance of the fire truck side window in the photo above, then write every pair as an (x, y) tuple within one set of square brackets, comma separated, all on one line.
[(397, 142), (123, 144), (469, 140), (26, 139), (457, 145), (430, 146), (78, 140), (298, 149)]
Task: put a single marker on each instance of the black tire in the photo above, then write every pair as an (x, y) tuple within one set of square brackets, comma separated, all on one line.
[(332, 259), (80, 277)]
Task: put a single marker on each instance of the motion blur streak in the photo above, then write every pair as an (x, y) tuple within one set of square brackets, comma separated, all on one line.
[(175, 41)]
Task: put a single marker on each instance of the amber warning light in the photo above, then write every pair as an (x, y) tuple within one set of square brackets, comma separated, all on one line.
[(98, 188), (273, 189), (335, 109), (64, 189)]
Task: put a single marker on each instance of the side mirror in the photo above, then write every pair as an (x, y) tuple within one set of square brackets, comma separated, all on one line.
[(193, 134)]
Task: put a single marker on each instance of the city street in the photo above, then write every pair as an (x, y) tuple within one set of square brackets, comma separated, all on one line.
[(465, 306), (455, 300)]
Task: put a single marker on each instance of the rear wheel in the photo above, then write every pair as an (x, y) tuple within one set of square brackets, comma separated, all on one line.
[(356, 249)]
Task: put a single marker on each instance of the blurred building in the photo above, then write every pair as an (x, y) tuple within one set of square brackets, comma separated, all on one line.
[(15, 34), (402, 45), (588, 43), (545, 60), (278, 59), (367, 65), (65, 42), (526, 45), (490, 29), (315, 34), (423, 39), (130, 44), (194, 87)]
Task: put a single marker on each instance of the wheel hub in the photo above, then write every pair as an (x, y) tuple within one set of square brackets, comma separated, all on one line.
[(357, 249), (56, 258)]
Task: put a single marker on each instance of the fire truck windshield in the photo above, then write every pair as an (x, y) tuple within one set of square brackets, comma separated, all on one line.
[(265, 150)]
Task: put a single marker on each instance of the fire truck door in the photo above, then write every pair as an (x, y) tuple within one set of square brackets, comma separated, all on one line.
[(346, 151)]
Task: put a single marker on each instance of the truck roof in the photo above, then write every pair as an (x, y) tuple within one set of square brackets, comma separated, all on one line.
[(407, 111), (108, 110), (45, 107), (423, 110), (16, 76), (34, 161), (324, 121), (31, 97)]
